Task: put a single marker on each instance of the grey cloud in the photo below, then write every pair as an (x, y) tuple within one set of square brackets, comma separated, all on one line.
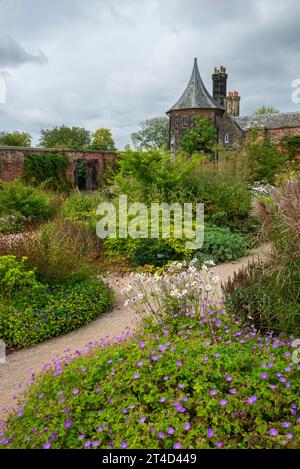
[(114, 63), (12, 54)]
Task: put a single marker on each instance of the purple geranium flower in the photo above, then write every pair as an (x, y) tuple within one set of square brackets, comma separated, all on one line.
[(223, 402), (143, 419), (210, 432), (213, 392), (187, 426), (219, 443), (286, 424), (252, 399), (68, 424), (170, 431), (273, 432), (124, 444), (135, 376), (160, 435), (47, 445), (177, 446)]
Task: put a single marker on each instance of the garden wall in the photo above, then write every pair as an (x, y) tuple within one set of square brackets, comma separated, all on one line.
[(12, 160)]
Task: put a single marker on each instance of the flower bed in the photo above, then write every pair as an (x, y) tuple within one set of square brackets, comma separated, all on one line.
[(190, 379)]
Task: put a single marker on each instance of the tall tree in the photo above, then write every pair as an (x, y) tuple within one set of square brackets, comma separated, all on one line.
[(266, 110), (68, 137), (102, 140), (154, 133), (15, 139), (200, 138)]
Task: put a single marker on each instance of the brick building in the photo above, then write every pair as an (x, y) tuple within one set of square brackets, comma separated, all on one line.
[(223, 111), (12, 162)]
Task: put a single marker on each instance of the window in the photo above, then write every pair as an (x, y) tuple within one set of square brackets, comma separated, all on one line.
[(226, 138)]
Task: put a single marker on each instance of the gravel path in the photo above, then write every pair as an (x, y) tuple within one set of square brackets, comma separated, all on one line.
[(21, 364)]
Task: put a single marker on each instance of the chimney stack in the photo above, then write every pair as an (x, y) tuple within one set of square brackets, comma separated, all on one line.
[(233, 103), (219, 79)]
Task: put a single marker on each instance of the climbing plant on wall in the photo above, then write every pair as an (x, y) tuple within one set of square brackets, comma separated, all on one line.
[(47, 169)]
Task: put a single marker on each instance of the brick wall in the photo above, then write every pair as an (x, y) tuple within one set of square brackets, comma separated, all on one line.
[(12, 160)]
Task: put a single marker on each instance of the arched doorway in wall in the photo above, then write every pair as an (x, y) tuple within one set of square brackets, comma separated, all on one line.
[(86, 174)]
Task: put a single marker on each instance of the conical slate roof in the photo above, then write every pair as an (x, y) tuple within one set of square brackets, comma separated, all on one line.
[(196, 95)]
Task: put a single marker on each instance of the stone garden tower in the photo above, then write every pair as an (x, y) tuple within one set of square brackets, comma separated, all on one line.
[(194, 101)]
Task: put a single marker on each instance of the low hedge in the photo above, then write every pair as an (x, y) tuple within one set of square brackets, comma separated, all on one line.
[(58, 310)]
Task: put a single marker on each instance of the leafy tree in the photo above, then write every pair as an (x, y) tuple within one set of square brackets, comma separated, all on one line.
[(264, 159), (102, 140), (266, 110), (154, 133), (68, 137), (15, 139), (200, 138)]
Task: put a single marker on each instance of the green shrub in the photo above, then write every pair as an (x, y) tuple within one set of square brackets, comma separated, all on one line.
[(271, 293), (20, 203), (264, 158), (59, 310), (81, 207), (252, 295), (154, 176), (155, 252), (60, 251), (15, 278), (47, 169), (166, 387), (222, 245)]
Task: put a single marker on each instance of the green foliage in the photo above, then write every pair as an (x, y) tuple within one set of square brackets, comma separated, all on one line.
[(291, 143), (222, 245), (67, 137), (156, 252), (15, 278), (21, 203), (154, 133), (253, 296), (59, 310), (121, 396), (15, 139), (264, 158), (154, 177), (269, 294), (102, 140), (61, 251), (47, 169), (266, 110), (81, 207), (200, 138)]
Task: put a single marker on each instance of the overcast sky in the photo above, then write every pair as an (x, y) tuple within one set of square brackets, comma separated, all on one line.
[(113, 63)]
